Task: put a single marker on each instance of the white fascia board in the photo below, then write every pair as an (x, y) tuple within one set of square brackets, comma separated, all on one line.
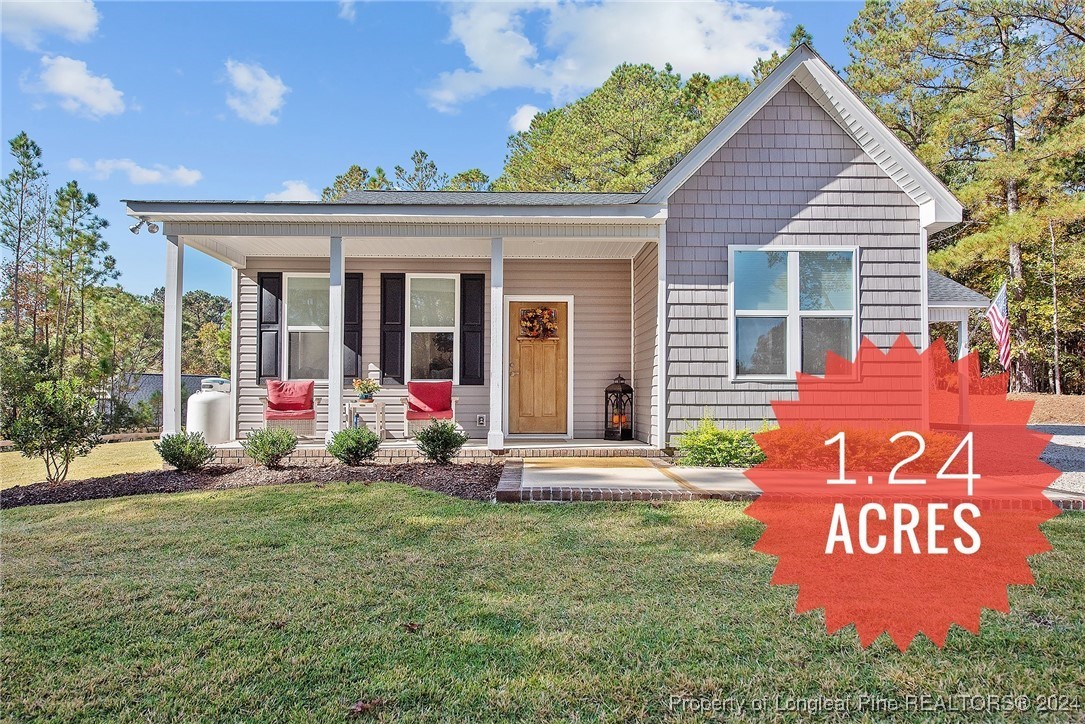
[(176, 211), (728, 127), (945, 210), (957, 305)]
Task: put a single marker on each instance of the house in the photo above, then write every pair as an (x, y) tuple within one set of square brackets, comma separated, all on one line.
[(797, 226)]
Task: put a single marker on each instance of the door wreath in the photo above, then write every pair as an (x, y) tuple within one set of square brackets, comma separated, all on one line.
[(539, 323)]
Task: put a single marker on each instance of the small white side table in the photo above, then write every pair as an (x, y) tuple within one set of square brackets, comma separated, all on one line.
[(355, 415)]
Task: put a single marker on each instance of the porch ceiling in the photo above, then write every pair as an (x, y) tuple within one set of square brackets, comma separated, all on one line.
[(237, 248)]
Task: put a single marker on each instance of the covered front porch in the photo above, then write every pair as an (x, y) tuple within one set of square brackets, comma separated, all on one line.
[(436, 294)]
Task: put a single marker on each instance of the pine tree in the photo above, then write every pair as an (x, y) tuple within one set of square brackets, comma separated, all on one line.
[(989, 94), (23, 198)]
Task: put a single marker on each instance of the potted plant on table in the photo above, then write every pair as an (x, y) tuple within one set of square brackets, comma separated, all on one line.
[(365, 388)]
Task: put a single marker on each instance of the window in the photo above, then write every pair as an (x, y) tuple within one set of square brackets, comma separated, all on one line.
[(791, 307), (432, 327), (306, 304)]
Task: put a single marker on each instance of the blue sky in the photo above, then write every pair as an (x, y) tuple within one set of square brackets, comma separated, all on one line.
[(249, 100)]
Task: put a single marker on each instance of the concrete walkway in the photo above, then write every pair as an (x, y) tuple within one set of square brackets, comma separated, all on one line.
[(632, 478), (627, 479)]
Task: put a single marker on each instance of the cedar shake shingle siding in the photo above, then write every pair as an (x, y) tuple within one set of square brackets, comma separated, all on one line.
[(790, 176)]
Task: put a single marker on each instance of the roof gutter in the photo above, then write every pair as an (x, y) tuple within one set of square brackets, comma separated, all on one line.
[(254, 211)]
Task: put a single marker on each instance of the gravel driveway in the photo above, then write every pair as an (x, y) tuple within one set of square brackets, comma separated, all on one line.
[(1066, 451)]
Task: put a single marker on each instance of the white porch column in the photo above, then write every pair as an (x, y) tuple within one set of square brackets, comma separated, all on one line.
[(963, 346), (963, 343), (171, 336), (336, 274), (495, 439), (661, 338)]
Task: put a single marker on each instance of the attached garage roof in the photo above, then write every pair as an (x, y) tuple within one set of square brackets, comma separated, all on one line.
[(944, 292)]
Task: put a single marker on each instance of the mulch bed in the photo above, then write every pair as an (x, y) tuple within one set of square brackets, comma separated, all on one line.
[(471, 481)]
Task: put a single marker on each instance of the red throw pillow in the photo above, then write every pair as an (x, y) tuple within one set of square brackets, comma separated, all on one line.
[(290, 395), (429, 396)]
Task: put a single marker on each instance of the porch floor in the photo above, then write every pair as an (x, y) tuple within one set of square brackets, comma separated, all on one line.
[(312, 451)]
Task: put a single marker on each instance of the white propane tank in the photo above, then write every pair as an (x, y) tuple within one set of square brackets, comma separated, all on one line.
[(209, 411)]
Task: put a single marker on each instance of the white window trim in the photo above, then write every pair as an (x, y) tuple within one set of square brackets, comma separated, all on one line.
[(288, 328), (793, 313), (455, 328)]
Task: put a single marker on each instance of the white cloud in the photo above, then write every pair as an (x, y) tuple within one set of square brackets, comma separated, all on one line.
[(259, 95), (103, 168), (293, 191), (581, 43), (25, 23), (347, 11), (521, 119), (79, 90)]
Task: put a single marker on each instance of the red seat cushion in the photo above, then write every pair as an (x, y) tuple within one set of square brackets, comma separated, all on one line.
[(282, 396), (420, 415), (429, 398), (270, 414)]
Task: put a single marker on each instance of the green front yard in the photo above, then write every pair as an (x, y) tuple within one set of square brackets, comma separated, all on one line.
[(116, 457), (293, 603)]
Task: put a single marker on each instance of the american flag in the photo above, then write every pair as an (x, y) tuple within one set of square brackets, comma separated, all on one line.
[(998, 315)]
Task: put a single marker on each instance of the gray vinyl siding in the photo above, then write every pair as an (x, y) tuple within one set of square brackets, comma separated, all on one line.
[(473, 399), (645, 337), (791, 176), (601, 324), (601, 290)]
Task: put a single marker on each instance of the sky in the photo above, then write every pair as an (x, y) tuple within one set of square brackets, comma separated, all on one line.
[(271, 100)]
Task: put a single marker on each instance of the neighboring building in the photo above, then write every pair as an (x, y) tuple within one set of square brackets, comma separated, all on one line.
[(796, 226)]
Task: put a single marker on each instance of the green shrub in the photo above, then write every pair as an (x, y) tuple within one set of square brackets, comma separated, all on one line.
[(709, 445), (56, 423), (185, 450), (440, 441), (354, 446), (270, 446)]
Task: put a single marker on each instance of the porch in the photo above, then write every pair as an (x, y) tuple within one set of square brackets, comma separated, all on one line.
[(437, 293)]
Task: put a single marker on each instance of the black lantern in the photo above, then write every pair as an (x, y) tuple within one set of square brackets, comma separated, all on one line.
[(618, 406)]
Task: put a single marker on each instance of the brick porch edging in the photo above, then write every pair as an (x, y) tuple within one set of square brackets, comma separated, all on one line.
[(232, 457)]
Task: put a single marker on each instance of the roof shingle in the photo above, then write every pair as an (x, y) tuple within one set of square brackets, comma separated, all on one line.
[(943, 291), (488, 198)]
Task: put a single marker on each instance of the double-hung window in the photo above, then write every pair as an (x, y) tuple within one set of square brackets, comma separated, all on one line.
[(433, 308), (306, 303), (789, 308)]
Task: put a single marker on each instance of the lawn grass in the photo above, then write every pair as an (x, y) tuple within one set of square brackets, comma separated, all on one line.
[(109, 459), (290, 604)]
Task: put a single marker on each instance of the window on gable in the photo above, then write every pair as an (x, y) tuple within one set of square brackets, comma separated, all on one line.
[(432, 327), (791, 307)]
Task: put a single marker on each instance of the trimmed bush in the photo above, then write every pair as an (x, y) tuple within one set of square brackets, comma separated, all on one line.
[(271, 446), (709, 445), (440, 441), (354, 446), (56, 423), (185, 451)]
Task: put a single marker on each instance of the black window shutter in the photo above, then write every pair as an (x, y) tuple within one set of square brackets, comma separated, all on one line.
[(352, 328), (269, 343), (393, 326), (472, 328)]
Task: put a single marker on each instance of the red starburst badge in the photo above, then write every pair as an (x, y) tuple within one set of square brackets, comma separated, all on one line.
[(902, 493)]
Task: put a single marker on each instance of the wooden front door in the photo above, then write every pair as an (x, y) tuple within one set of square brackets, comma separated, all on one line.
[(538, 367)]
